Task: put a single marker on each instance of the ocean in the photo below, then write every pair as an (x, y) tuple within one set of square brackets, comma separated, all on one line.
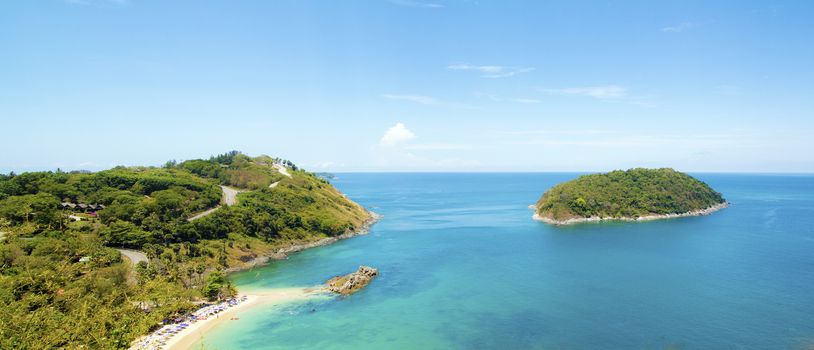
[(463, 266)]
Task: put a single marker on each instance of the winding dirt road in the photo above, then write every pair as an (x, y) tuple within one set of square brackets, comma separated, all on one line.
[(203, 213), (229, 195), (134, 256), (282, 170), (229, 198)]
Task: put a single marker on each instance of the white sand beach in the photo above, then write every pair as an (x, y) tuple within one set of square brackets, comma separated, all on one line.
[(194, 331)]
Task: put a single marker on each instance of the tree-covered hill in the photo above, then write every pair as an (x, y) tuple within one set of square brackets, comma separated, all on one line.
[(627, 194), (62, 283)]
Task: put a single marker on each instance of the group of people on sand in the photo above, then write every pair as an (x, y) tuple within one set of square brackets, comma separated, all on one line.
[(159, 338)]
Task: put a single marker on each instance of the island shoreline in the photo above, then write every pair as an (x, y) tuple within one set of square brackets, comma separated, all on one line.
[(699, 212)]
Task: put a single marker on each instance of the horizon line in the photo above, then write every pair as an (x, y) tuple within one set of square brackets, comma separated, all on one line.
[(455, 171)]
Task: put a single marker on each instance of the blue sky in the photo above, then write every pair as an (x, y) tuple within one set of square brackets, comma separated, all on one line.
[(408, 85)]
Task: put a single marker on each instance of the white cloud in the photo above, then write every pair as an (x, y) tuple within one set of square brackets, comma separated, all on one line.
[(683, 26), (417, 162), (612, 93), (601, 92), (420, 4), (438, 147), (644, 141), (397, 150), (325, 165), (524, 100), (490, 71), (396, 135), (497, 98), (567, 132), (425, 100)]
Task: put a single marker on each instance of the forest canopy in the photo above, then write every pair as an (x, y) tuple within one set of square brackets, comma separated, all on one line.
[(64, 285), (627, 194)]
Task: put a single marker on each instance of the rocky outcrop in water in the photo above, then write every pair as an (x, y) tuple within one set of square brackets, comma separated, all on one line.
[(353, 282)]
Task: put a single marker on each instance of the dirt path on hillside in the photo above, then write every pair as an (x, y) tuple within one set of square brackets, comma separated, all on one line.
[(282, 170), (229, 195), (134, 256), (229, 198)]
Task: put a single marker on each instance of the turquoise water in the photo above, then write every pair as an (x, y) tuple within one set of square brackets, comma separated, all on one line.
[(463, 266)]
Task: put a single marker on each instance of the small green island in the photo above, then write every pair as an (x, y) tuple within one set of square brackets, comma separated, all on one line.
[(632, 195)]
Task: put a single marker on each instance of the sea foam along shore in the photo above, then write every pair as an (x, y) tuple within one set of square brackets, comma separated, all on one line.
[(187, 337), (699, 212), (282, 253)]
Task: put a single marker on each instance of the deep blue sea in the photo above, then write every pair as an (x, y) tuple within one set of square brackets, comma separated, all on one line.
[(463, 266)]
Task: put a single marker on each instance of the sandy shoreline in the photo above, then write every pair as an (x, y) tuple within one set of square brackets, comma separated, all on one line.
[(700, 212), (187, 338)]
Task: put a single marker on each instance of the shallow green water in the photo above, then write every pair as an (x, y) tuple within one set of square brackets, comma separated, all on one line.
[(464, 267)]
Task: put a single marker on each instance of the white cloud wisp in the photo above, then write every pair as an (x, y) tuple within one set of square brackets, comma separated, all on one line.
[(395, 135), (490, 71)]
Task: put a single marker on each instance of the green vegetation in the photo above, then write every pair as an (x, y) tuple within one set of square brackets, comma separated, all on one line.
[(627, 194), (64, 286), (236, 169), (52, 300)]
